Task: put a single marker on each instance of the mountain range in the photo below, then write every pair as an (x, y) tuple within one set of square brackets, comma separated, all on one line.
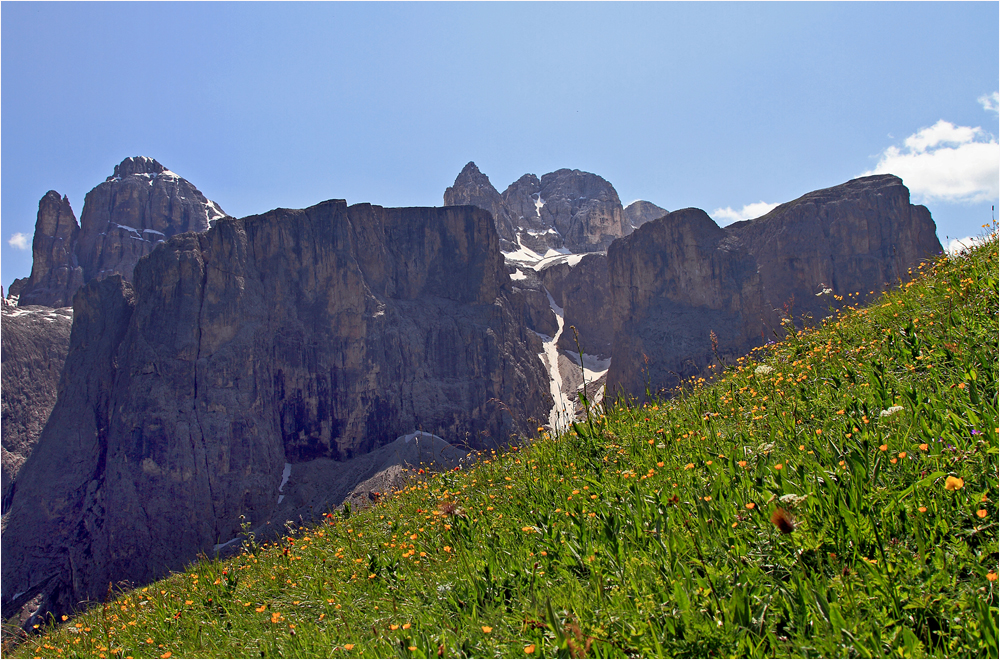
[(274, 366)]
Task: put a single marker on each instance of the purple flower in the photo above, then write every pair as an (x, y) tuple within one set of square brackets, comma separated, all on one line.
[(975, 432)]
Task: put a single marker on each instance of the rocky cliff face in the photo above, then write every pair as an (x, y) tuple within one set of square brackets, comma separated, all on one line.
[(124, 218), (676, 279), (35, 341), (265, 347), (672, 282), (583, 208)]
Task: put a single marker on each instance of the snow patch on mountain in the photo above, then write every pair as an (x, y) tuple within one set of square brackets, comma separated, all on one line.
[(561, 415)]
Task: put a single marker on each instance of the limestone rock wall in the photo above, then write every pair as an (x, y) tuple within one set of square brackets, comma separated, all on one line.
[(579, 284)]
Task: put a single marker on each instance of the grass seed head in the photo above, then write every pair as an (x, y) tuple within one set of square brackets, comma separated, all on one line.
[(783, 521)]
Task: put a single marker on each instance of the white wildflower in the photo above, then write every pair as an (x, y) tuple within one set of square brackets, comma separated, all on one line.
[(763, 369), (824, 292), (892, 410), (791, 500)]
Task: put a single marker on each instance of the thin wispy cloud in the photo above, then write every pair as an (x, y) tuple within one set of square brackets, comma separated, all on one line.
[(19, 241), (990, 102), (948, 163), (748, 212)]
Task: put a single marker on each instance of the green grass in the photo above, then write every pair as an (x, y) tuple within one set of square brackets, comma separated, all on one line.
[(648, 530)]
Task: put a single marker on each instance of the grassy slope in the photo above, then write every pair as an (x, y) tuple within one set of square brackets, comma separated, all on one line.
[(650, 530)]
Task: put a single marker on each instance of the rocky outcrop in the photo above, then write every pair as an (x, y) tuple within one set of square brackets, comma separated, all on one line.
[(253, 353), (640, 212), (55, 271), (567, 301), (571, 209), (140, 205), (677, 279), (578, 284), (35, 341), (566, 210)]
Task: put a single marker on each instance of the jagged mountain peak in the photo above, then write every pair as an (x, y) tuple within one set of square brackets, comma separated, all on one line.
[(137, 165), (568, 210), (124, 217), (470, 170)]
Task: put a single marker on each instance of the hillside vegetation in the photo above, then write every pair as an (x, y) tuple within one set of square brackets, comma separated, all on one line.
[(835, 494)]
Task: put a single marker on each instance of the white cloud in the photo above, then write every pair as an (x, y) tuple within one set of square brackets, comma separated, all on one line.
[(956, 245), (947, 163), (748, 212), (990, 102), (19, 241), (941, 133)]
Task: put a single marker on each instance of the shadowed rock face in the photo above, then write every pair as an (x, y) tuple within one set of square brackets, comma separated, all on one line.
[(140, 205), (35, 342), (580, 286), (292, 337), (676, 279)]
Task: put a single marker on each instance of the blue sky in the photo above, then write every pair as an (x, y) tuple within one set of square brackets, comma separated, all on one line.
[(713, 105)]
